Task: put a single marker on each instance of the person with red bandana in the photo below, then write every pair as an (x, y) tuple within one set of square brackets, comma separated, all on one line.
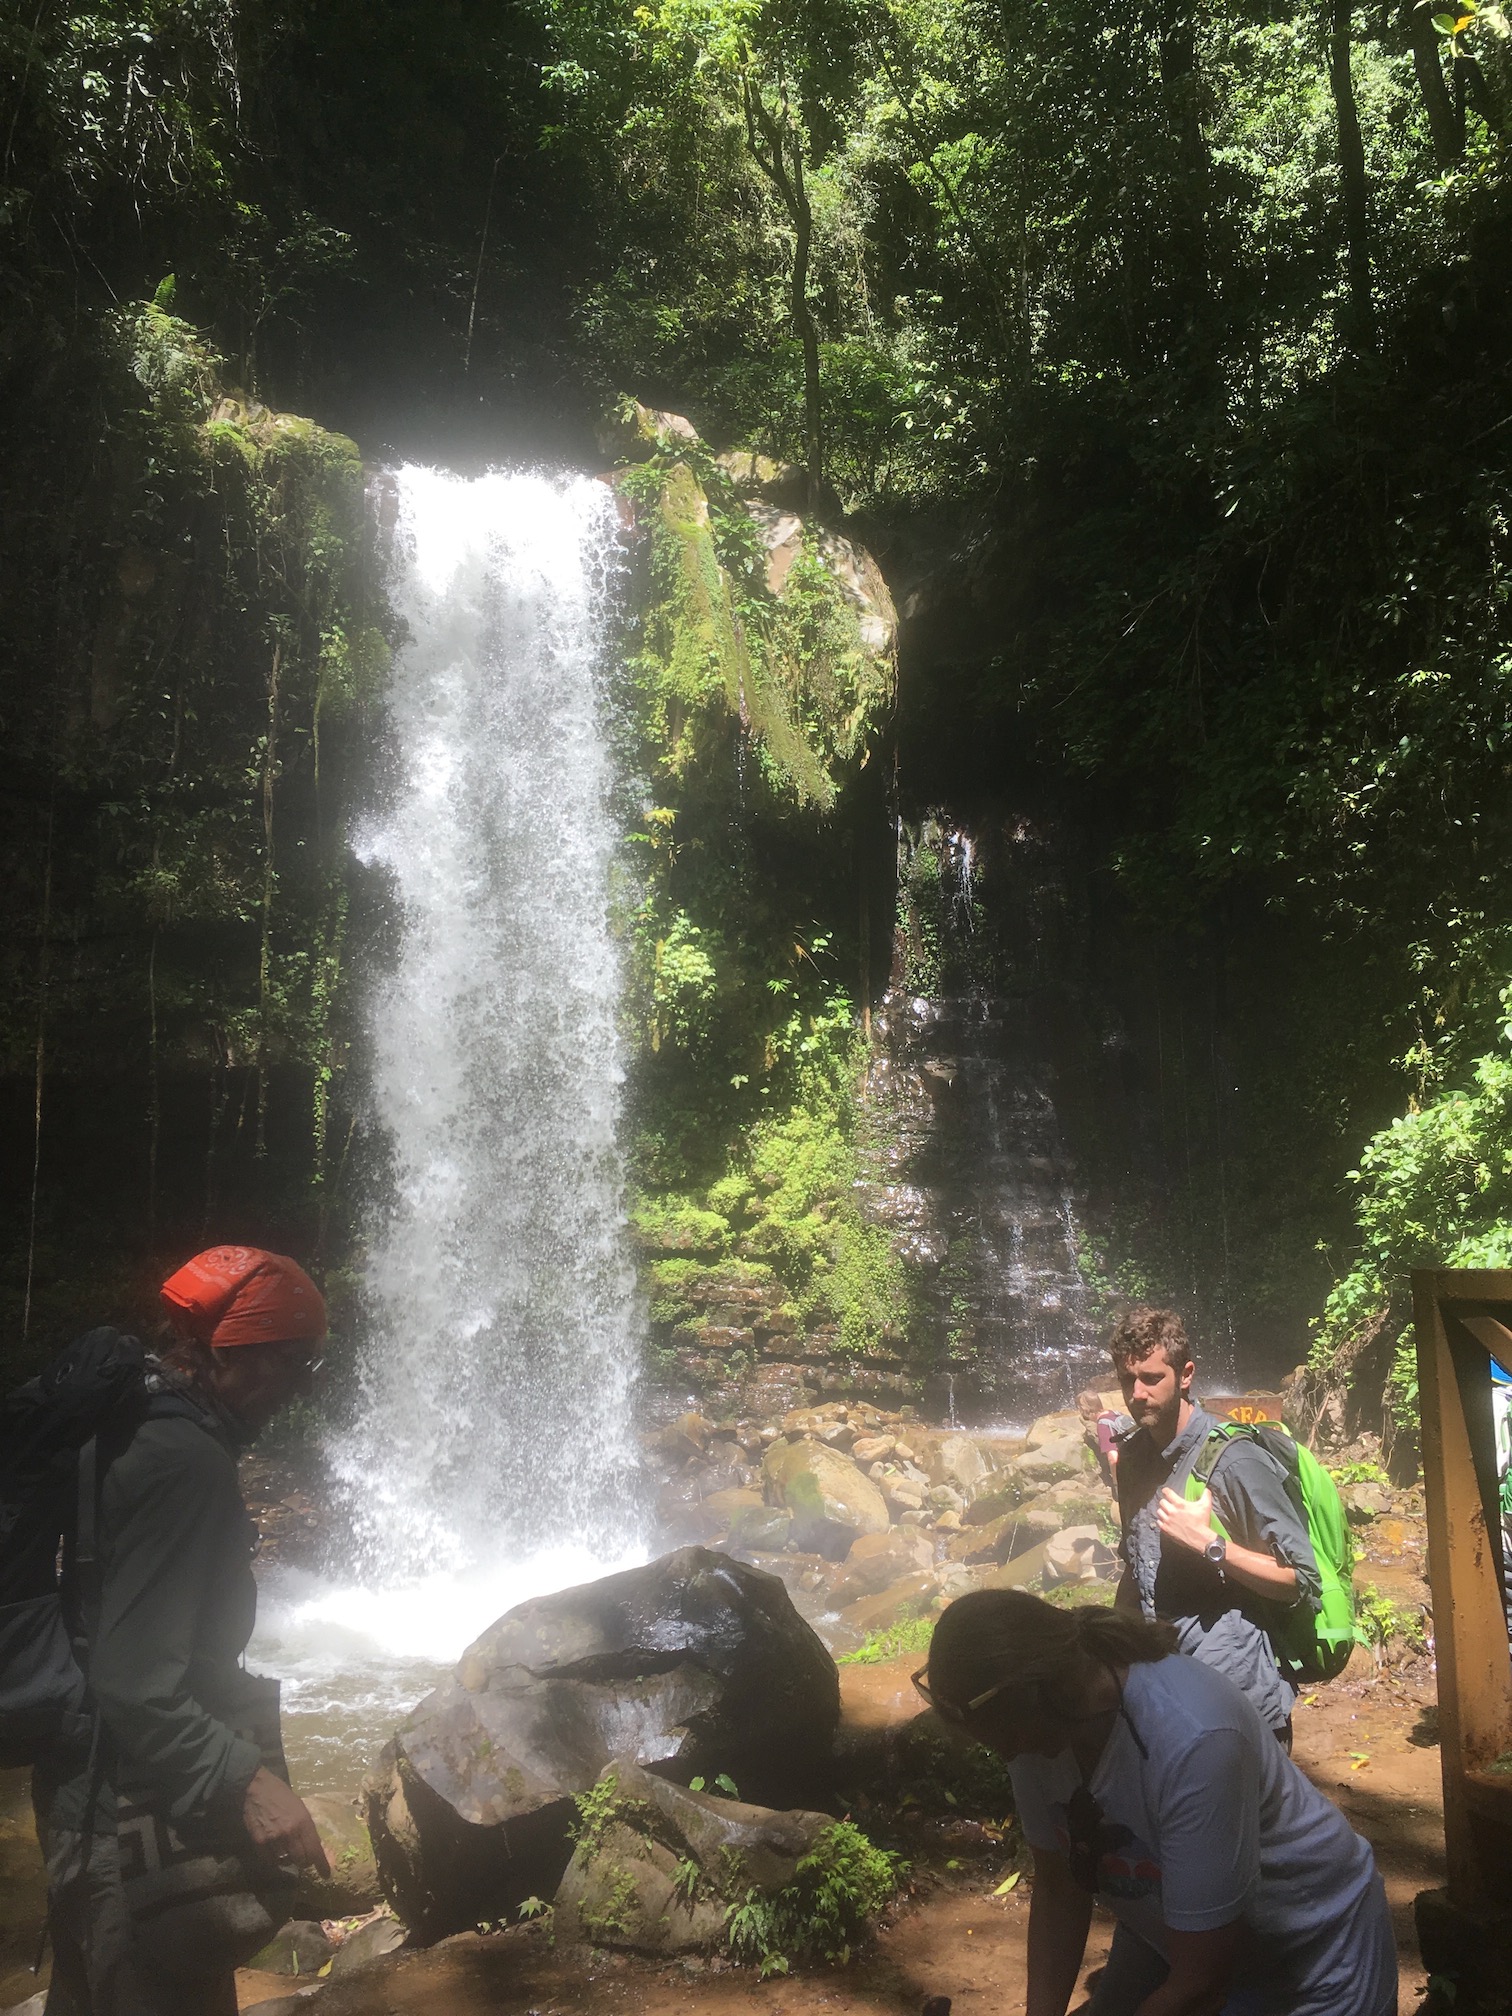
[(164, 1844)]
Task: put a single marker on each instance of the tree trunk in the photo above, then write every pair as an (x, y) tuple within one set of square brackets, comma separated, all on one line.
[(1180, 84), (1445, 124), (1352, 175), (769, 135), (804, 323)]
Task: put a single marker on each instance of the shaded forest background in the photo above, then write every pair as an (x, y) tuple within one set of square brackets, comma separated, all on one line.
[(1161, 356)]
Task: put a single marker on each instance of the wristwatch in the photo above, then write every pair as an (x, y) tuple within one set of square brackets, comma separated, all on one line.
[(1216, 1551)]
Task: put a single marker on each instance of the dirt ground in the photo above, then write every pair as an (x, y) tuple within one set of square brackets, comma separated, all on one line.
[(1367, 1740)]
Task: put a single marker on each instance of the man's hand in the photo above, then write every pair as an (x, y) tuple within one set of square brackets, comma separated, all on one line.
[(278, 1820), (1188, 1522), (1190, 1525)]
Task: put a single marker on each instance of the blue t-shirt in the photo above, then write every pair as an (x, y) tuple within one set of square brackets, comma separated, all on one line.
[(1218, 1824)]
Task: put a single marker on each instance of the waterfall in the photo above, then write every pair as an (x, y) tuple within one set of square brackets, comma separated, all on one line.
[(501, 1324)]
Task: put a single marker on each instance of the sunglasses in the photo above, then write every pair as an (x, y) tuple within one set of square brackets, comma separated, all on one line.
[(297, 1358), (947, 1710)]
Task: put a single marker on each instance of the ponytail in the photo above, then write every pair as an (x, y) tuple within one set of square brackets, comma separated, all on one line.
[(995, 1636)]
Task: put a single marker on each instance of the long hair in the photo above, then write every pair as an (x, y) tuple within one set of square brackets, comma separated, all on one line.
[(995, 1635)]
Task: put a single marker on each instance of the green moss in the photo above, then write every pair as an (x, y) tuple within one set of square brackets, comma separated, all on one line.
[(754, 707), (910, 1634), (670, 1225)]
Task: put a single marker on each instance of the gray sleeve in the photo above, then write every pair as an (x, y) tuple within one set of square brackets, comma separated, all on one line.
[(168, 1508), (1255, 1506)]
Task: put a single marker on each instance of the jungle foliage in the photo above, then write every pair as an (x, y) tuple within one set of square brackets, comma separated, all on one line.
[(1171, 342)]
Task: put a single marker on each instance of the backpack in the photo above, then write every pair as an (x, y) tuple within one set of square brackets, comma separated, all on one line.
[(1308, 1646), (49, 1487)]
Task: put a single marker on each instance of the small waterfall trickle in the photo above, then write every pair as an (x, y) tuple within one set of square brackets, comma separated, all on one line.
[(965, 1157), (500, 1296)]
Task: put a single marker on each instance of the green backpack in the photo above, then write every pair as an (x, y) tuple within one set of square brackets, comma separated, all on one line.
[(1308, 1646)]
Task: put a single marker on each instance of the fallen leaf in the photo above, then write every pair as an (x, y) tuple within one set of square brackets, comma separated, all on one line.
[(1008, 1883)]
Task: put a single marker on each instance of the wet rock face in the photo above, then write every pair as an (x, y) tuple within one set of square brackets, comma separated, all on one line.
[(632, 1881), (696, 1663)]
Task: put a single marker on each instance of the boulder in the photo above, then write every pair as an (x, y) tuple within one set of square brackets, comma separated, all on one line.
[(761, 1529), (957, 1462), (1078, 1554), (831, 1500), (1055, 1458), (687, 1436), (1055, 1428), (657, 1866), (1021, 1570), (695, 1663), (1005, 1493), (726, 1507), (352, 1885), (910, 1596), (877, 1560)]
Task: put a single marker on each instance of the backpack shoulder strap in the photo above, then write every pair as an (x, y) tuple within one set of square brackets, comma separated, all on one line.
[(86, 1562), (1218, 1439)]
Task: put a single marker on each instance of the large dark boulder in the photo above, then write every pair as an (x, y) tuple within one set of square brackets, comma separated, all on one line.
[(695, 1664)]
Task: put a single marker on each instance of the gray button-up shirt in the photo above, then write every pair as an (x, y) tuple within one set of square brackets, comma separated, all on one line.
[(1215, 1620)]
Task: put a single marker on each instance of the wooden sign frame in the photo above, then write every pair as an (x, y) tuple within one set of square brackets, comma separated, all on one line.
[(1463, 1317)]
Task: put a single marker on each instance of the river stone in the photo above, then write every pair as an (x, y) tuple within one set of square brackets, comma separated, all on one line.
[(370, 1942), (1079, 1554), (1055, 1458), (831, 1500), (761, 1529), (300, 1947), (910, 1596), (1055, 1428), (1004, 1492), (621, 1888), (695, 1663), (877, 1560), (727, 1507), (957, 1463)]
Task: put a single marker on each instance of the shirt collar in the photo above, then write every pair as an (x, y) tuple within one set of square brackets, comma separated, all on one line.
[(1199, 1424)]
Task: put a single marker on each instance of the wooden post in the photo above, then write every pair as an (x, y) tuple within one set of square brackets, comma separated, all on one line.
[(1462, 1318)]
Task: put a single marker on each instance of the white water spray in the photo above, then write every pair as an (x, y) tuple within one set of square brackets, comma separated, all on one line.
[(490, 1456)]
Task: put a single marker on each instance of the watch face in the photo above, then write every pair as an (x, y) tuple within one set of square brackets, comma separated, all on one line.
[(1215, 1551)]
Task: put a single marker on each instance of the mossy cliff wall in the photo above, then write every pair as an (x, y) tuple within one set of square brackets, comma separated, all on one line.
[(193, 628), (761, 677)]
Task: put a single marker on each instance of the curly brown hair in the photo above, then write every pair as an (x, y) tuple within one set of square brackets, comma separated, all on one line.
[(1142, 1330)]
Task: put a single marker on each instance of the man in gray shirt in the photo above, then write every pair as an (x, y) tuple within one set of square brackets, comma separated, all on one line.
[(1221, 1593)]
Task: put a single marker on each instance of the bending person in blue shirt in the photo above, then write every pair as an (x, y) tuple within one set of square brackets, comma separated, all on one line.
[(1148, 1780), (1222, 1594)]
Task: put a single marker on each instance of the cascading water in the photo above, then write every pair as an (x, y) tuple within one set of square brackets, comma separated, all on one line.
[(503, 1334), (490, 1456)]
